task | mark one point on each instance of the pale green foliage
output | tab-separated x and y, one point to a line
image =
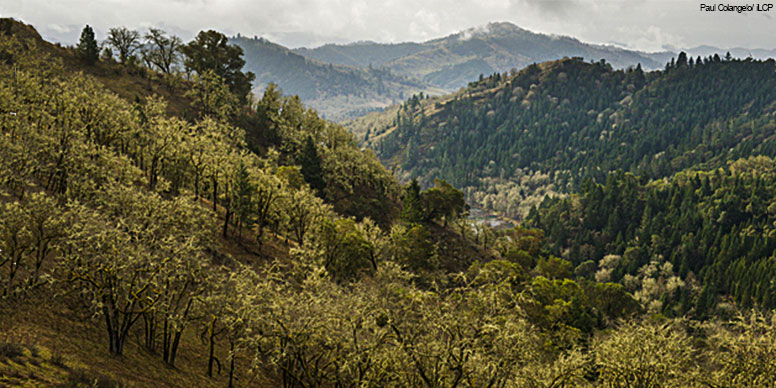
514	196
566	370
29	230
137	254
301	210
103	189
743	353
644	356
212	96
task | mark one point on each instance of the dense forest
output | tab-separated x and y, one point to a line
244	241
552	125
676	243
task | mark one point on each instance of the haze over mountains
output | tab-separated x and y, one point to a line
343	81
337	91
454	61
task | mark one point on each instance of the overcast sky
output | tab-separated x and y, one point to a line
648	25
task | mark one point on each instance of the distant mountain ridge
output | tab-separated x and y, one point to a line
336	91
344	81
453	61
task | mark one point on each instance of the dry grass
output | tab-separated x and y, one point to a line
43	342
128	82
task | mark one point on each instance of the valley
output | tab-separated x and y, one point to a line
495	208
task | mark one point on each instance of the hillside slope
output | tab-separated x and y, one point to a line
139	248
554	124
128	82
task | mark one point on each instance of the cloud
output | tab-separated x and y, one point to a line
554	8
644	24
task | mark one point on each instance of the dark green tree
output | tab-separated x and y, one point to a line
681	60
310	162
442	202
413	208
87	49
210	51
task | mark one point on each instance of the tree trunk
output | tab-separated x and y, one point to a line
165	340
215	192
212	340
174	348
196	186
231	364
150	332
116	342
227	216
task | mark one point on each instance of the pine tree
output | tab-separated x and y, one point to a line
311	166
87	49
413	210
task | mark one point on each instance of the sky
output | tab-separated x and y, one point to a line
647	25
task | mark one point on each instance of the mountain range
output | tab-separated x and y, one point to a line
344	81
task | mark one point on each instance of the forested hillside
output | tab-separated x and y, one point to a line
680	243
248	242
550	126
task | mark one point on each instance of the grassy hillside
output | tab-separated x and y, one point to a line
128	82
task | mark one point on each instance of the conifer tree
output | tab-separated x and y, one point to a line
413	209
87	49
311	166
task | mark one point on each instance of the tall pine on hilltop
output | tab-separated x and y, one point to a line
87	49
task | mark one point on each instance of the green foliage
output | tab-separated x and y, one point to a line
212	97
210	51
354	182
412	210
646	355
346	250
667	235
106	204
87	48
442	202
741	354
412	247
549	127
312	170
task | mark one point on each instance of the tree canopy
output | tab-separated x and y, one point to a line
210	51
